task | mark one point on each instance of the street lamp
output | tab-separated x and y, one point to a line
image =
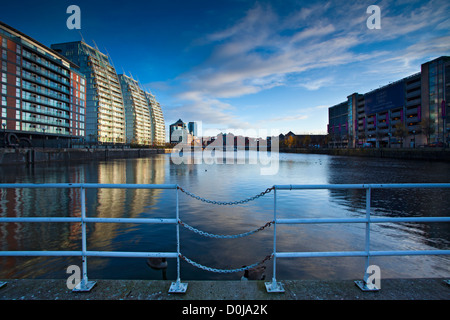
414	133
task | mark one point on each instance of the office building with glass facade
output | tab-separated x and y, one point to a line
410	112
43	99
105	111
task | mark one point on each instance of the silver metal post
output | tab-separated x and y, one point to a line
84	285
363	284
178	287
274	286
367	246
274	234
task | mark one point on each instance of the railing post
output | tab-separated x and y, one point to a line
274	286
364	285
178	287
84	284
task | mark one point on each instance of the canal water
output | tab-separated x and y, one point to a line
229	181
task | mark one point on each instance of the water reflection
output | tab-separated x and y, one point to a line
226	182
66	202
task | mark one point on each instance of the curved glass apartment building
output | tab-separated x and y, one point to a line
137	112
158	124
105	115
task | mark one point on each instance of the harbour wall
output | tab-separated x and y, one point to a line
10	156
431	154
30	156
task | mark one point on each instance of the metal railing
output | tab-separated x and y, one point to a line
275	286
178	286
85	284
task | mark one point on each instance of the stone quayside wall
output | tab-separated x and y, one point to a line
25	156
432	154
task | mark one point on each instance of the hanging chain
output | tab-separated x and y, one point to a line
198	265
229	203
218	236
207	234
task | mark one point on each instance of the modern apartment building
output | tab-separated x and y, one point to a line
158	124
137	112
105	112
43	94
410	112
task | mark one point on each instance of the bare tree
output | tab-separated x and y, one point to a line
427	128
400	131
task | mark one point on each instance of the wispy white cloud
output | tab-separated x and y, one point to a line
264	50
316	84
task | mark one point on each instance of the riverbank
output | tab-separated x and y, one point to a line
430	154
30	156
39	155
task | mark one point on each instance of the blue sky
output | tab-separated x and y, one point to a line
253	66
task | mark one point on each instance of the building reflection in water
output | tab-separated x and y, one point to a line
128	203
225	183
397	203
52	202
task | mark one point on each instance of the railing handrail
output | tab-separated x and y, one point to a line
362	186
177	286
275	286
89	185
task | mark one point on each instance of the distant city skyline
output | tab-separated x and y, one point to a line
262	65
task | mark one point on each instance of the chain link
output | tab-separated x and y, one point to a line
200	266
218	236
229	203
207	234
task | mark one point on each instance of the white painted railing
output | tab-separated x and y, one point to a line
178	286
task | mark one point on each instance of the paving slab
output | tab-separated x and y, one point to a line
391	289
